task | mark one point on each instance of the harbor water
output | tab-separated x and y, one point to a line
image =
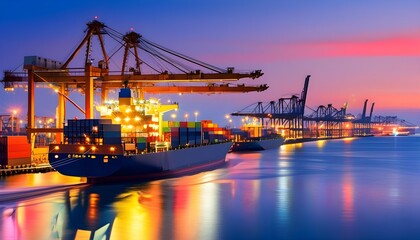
355	188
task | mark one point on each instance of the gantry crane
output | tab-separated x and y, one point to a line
172	73
285	112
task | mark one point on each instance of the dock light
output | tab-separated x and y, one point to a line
137	119
57	148
82	148
87	139
118	119
56	156
127	119
95	129
112	149
196	115
93	148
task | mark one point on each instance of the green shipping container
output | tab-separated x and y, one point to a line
141	140
191	124
166	129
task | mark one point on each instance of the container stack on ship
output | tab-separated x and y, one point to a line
131	141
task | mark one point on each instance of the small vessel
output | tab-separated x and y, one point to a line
129	142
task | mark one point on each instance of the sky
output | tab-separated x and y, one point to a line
353	50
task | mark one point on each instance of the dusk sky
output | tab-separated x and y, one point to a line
354	50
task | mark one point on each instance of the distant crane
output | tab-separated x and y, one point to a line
287	113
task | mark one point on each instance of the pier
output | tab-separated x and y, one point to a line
289	118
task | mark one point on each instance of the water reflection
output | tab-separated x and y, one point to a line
362	189
284	200
348	201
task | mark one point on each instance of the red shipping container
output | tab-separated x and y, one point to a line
183	124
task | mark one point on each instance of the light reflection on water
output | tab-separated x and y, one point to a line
343	189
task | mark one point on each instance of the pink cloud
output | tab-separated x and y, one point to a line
397	46
404	45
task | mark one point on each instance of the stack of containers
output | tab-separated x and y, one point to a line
183	133
112	133
239	134
92	131
14	150
166	131
124	97
198	132
212	133
175	136
191	133
141	143
254	131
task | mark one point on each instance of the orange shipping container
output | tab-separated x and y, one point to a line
12	140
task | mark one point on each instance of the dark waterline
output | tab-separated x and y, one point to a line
343	189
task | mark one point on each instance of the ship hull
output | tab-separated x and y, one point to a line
116	167
257	145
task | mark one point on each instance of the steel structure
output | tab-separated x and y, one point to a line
288	116
171	72
363	125
392	125
327	121
285	114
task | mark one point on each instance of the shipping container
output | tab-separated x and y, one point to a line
112	134
112	140
124	93
165	124
41	62
141	146
174	144
111	127
173	124
183	140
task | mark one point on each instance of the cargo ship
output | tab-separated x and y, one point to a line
131	142
253	137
